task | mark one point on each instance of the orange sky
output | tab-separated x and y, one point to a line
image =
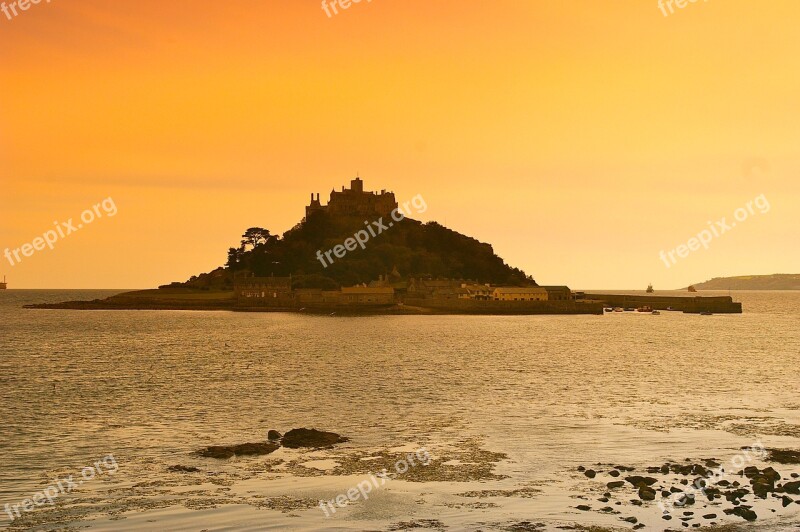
580	138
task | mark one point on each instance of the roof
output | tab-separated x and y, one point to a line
366	290
520	290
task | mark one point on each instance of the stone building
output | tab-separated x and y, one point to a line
528	293
558	293
273	291
364	295
355	201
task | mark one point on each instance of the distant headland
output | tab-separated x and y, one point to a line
778	281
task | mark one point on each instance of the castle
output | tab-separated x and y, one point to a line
354	201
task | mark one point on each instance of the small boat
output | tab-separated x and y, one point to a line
618	309
670	309
656	313
629	309
706	313
4	284
650	289
692	289
644	309
608	310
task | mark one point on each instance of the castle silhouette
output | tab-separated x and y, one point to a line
354	201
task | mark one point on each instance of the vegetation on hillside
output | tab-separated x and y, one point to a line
409	247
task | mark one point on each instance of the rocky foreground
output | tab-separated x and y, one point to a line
696	494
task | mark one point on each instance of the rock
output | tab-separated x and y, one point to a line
743	512
646	493
665	493
244	449
297	438
710	516
733	495
786	501
639	526
273	435
616	484
603	499
771	474
581	468
583	507
795	475
762	486
792	487
636	502
623	468
631	520
637	481
784	456
614	473
183	469
751	471
591	473
666	517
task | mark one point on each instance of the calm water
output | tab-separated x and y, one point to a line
550	392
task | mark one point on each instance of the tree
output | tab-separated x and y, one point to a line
234	256
254	237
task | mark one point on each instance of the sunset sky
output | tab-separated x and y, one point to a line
580	138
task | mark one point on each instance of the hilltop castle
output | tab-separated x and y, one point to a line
354	201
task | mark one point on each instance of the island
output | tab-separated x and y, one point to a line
363	253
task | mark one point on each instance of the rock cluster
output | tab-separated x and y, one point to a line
294	439
740	491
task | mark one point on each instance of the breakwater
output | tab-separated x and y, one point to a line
689	304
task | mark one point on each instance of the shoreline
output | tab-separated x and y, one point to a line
205	300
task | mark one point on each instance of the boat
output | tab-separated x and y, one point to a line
608	310
629	309
670	308
644	309
618	309
692	289
706	313
656	313
4	284
650	288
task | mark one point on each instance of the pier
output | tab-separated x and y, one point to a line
688	304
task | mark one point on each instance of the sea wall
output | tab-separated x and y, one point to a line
471	306
691	304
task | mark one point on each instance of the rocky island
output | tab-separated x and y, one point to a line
361	253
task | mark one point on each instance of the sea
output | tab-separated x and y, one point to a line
102	415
